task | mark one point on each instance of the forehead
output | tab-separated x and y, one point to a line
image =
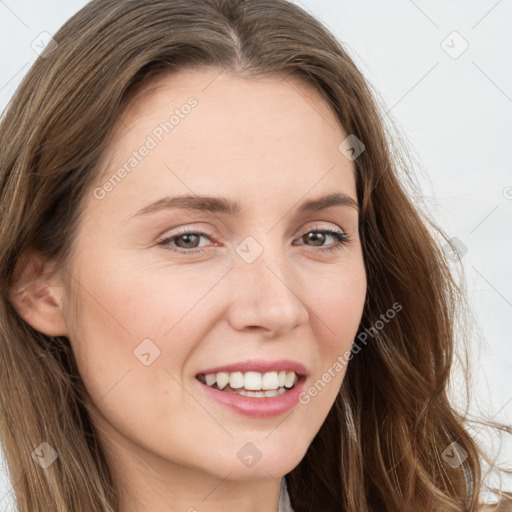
212	84
258	133
262	108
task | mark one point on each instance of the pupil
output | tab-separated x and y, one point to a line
187	238
318	236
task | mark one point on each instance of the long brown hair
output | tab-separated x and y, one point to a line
381	445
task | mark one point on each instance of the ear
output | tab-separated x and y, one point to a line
37	292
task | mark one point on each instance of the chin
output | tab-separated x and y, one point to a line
255	460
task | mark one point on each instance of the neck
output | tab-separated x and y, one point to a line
158	485
197	493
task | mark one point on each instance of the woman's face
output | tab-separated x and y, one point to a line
263	289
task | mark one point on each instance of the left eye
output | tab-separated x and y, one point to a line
341	238
191	238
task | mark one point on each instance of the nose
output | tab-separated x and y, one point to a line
266	295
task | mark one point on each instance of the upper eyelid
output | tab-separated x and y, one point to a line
192	230
320	227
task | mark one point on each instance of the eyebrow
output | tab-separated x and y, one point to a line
231	207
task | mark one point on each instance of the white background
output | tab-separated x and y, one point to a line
456	114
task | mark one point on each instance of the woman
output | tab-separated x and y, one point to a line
169	340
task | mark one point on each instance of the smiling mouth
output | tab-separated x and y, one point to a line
252	384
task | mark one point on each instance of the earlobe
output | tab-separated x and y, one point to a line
37	293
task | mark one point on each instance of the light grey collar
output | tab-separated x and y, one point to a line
284	498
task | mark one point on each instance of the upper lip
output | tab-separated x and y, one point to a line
259	365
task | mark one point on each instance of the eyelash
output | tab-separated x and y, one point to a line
342	240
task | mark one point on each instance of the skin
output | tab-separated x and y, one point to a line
270	144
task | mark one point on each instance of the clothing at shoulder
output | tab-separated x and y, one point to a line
284	498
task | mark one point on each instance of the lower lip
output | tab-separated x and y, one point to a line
255	407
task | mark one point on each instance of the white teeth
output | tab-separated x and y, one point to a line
222	380
269	393
290	379
212	378
270	381
253	381
236	380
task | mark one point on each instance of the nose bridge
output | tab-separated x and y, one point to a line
264	261
266	293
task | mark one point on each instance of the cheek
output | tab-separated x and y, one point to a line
126	363
130	299
338	309
129	316
337	315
